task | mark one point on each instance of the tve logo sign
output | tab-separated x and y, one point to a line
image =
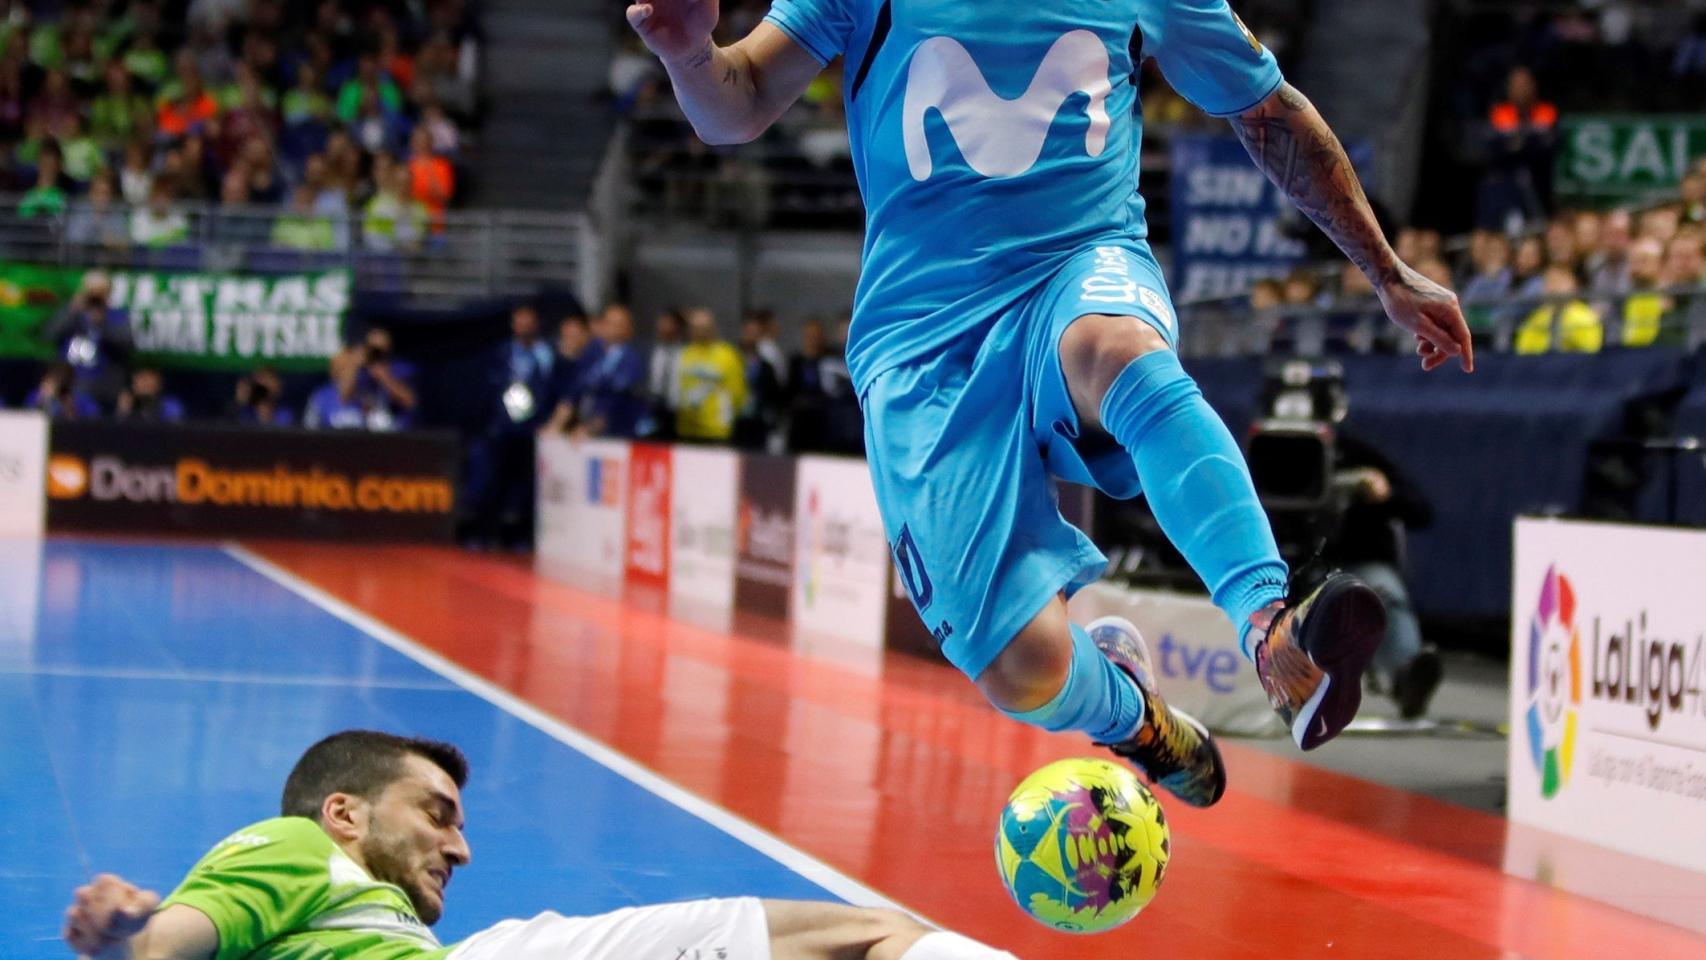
1214	666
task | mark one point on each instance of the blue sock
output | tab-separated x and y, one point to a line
1197	483
1099	698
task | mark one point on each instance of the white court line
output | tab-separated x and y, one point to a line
193	676
730	823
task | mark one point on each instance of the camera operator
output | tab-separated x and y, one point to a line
58	396
94	339
1380	506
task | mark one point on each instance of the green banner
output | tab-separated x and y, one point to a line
209	321
1627	156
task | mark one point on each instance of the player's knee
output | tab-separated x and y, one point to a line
1094	350
1030	672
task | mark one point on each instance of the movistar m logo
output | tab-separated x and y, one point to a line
1001	137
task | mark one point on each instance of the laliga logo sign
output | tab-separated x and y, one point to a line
1554	682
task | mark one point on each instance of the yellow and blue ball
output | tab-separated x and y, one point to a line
1082	845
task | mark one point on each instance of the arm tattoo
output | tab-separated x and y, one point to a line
731	74
1292	144
703	56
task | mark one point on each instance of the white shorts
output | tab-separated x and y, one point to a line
732	929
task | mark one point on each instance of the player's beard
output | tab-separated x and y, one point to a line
389	861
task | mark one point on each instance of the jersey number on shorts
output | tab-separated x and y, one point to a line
910	564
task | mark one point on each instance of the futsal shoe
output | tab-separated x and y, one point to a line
1170	746
1311	655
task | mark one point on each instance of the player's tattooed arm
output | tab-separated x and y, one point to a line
1293	145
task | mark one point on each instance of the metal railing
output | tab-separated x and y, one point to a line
1584	322
459	254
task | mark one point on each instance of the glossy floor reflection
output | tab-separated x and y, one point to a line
153	698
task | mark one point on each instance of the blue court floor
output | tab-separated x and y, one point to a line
153	698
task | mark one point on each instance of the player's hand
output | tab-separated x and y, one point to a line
107	912
1431	313
674	29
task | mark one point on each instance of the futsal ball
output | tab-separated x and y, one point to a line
1082	845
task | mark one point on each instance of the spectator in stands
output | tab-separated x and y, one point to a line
760	414
1661	223
260	166
54	101
845	422
186	106
1685	262
377	127
1436	270
340	405
568	374
614	386
249	118
259	400
301	226
1561	250
442	135
1266	295
306	104
47	197
1608	265
1528	272
59	398
1563	324
386	378
1645	308
145	60
808	396
159	223
394	220
432	179
1521	138
236	222
661	376
136	175
769	348
710	382
98	222
1693	194
369	81
93	339
83	156
1490	255
147	400
1302	288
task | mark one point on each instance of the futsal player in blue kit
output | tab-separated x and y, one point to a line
1011	324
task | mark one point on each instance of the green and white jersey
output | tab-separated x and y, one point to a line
282	890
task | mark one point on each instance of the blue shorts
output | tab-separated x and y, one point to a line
962	447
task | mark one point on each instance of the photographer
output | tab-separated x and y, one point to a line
147	399
93	339
386	379
260	400
59	398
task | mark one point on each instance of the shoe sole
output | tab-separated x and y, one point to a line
1342	644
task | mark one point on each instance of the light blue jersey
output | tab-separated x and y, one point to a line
995	139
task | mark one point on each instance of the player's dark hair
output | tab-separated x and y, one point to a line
361	763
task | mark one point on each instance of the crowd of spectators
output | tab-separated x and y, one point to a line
1582	281
114	113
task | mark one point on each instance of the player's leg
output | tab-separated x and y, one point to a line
1125	379
982	549
827	931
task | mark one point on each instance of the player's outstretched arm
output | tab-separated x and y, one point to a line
110	919
730	94
1293	145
